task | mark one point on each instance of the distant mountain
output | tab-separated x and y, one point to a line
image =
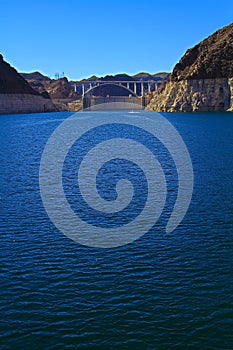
34	76
122	76
147	76
93	77
117	77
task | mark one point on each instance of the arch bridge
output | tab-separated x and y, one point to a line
137	91
136	88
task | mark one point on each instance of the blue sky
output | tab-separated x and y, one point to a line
82	38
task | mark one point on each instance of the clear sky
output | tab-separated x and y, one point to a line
82	38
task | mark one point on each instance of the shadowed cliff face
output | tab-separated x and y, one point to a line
17	96
11	82
201	81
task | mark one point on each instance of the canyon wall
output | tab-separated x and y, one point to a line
17	96
202	80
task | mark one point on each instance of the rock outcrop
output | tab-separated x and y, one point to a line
17	96
230	82
60	91
54	88
202	80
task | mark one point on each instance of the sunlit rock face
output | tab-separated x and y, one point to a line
202	80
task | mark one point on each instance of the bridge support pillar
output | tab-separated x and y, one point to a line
83	89
142	89
75	88
143	102
149	88
135	88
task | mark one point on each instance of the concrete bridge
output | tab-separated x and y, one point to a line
135	99
145	87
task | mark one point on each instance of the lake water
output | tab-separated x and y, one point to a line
162	291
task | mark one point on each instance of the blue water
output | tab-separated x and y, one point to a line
162	291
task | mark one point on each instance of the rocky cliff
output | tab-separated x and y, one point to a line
203	78
54	88
60	91
17	96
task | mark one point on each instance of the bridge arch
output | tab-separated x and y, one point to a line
110	83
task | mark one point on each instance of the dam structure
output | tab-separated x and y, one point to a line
116	94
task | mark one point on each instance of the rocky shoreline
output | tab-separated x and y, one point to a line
203	95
